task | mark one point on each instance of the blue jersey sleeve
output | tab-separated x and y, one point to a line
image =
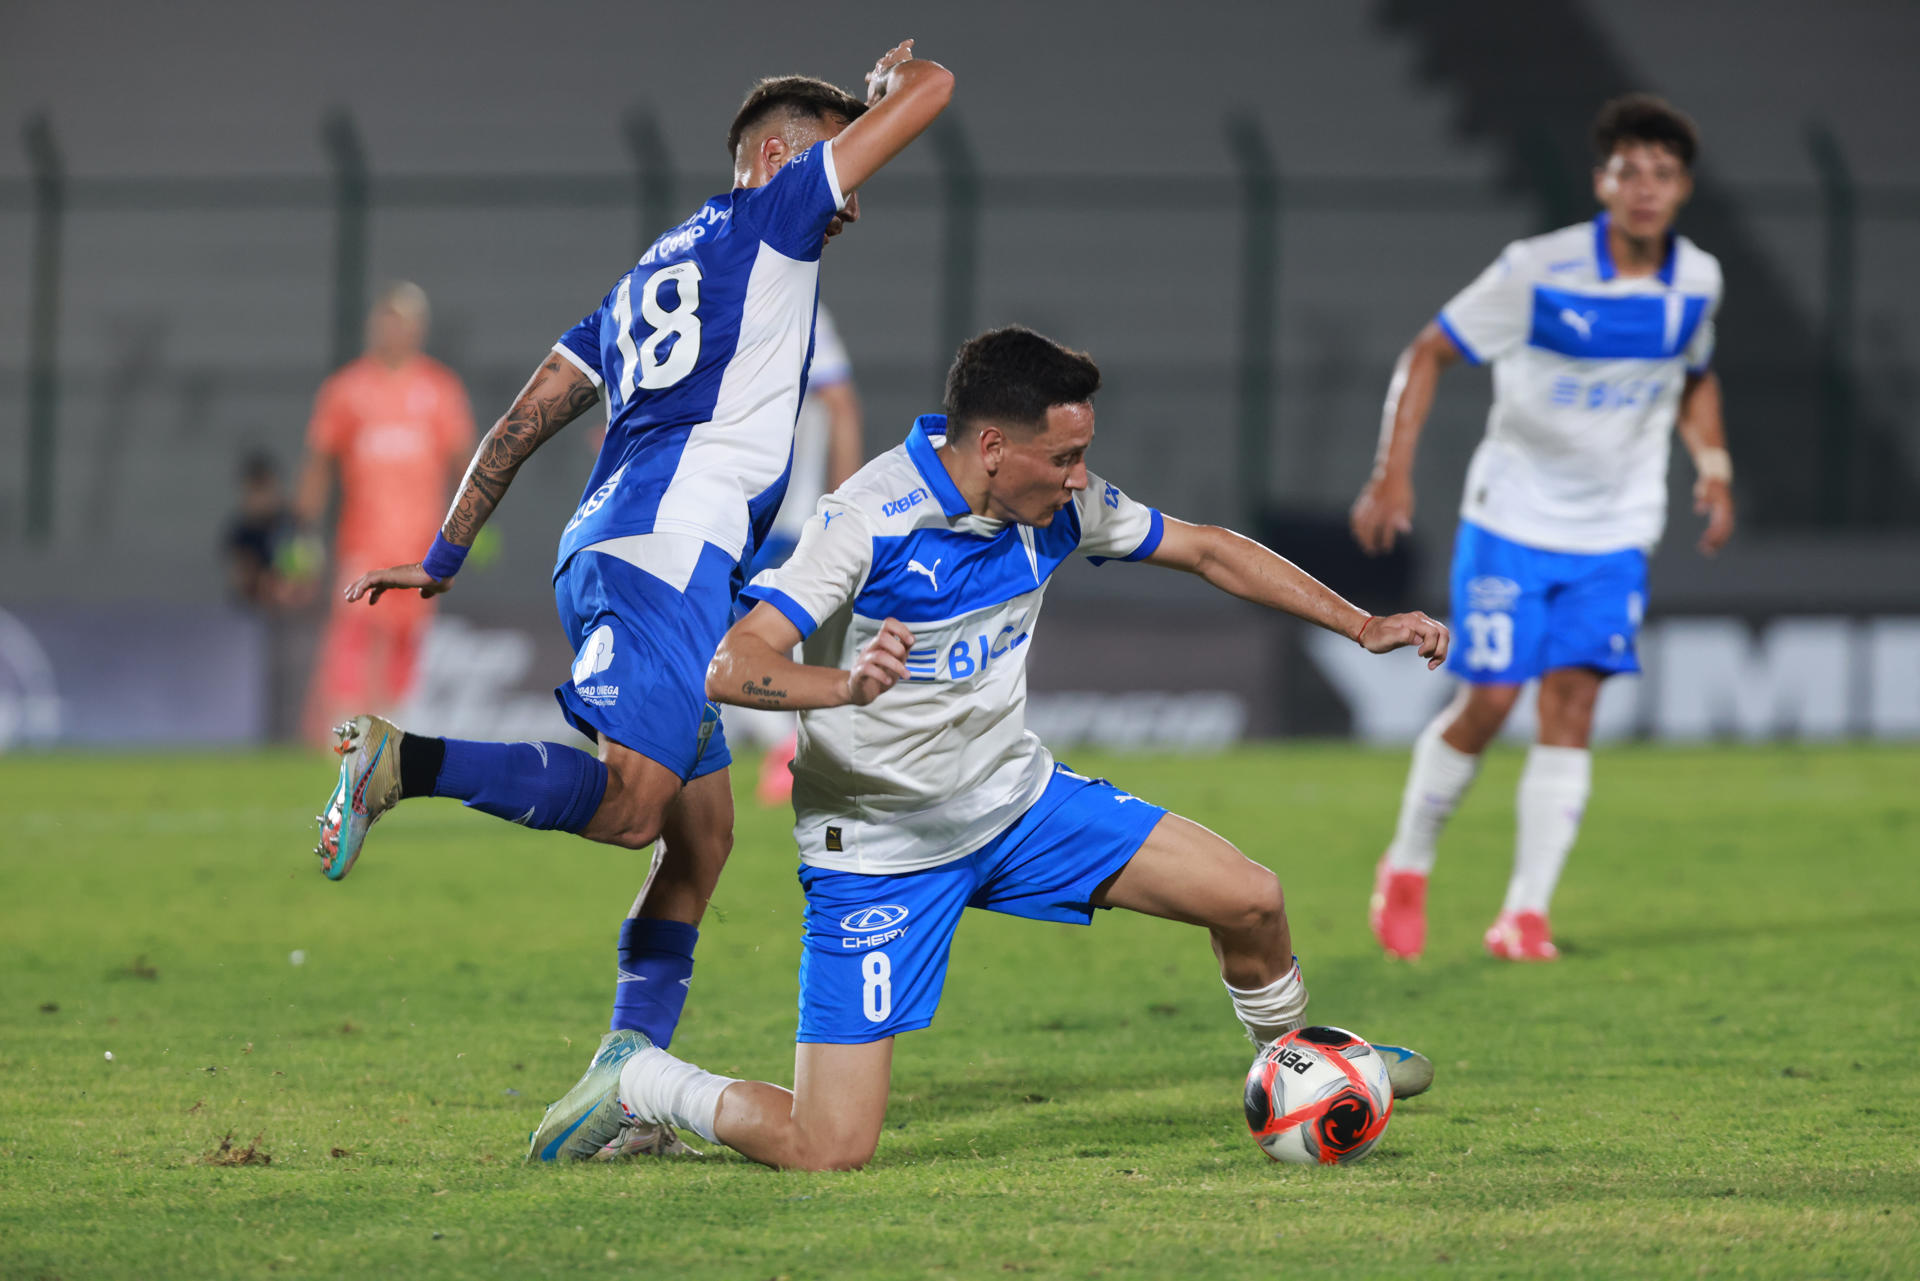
791	212
581	344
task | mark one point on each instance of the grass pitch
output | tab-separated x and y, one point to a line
1718	1078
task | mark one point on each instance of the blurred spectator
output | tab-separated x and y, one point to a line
261	544
396	428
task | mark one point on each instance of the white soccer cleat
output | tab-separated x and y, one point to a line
1409	1071
590	1123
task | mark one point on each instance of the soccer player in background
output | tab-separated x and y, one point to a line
701	350
394	425
1601	340
919	791
826	450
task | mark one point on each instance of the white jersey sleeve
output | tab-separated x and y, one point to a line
827	568
1491	317
1113	526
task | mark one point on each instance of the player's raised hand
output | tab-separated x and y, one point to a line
877	78
1382	513
1387	632
881	665
1713	498
376	582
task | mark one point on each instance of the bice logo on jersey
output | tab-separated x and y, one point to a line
595	657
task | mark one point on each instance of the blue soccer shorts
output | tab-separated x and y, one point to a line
1519	611
875	955
641	649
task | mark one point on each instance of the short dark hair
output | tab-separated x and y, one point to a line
1641	117
1013	376
794	97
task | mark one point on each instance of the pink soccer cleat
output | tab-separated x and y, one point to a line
1398	911
1521	936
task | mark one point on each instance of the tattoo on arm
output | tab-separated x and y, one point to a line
557	394
765	696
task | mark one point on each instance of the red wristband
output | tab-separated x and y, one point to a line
1360	637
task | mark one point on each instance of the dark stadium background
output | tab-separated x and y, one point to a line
1242	209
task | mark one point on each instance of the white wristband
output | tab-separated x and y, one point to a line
1714	464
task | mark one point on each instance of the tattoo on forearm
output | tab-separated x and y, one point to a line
555	396
764	695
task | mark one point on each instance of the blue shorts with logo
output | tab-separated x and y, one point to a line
875	955
641	648
1519	611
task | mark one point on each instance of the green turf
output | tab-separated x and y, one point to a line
1717	1079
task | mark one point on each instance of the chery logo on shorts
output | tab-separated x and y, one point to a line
883	917
884	922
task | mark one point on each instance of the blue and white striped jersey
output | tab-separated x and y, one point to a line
702	352
943	762
1588	367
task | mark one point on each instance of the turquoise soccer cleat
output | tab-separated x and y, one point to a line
589	1123
1409	1071
368	787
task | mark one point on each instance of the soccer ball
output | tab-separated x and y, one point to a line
1318	1096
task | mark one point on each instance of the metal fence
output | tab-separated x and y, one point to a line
1259	246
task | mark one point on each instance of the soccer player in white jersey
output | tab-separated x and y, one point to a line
919	791
701	352
1601	341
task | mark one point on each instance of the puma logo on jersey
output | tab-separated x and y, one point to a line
1580	322
915	567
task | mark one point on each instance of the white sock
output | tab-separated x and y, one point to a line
658	1087
1552	797
1439	777
1273	1010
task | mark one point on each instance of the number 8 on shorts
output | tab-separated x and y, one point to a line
877	990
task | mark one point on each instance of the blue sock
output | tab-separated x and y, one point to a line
656	964
543	785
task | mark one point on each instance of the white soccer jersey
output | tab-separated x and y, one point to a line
1588	368
813	433
943	762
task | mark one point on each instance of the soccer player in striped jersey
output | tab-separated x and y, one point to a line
701	351
1601	340
915	593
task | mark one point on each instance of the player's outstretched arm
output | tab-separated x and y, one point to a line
905	94
557	394
1704	430
754	668
1241	567
1384	510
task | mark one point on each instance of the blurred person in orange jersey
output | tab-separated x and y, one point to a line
396	428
